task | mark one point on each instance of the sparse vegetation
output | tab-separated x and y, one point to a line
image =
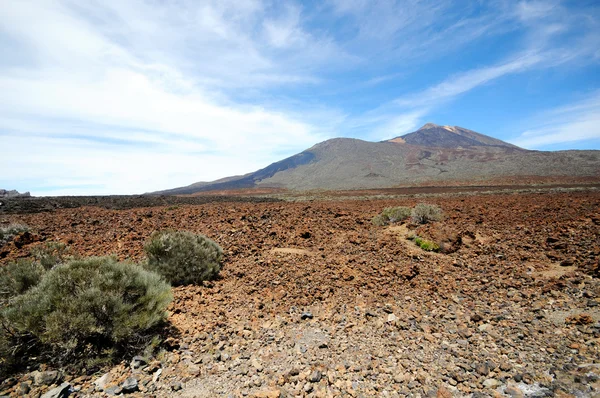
391	215
9	232
183	257
51	254
425	244
424	213
396	214
380	220
87	307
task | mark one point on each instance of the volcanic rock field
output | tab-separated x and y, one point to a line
315	301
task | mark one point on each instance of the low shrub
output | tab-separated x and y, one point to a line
380	220
398	213
9	232
17	278
426	245
51	254
86	307
424	213
391	215
183	257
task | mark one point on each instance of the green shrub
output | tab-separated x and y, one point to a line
380	220
396	214
51	254
424	213
17	278
427	245
183	257
391	215
9	232
89	305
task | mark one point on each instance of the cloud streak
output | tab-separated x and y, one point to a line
577	122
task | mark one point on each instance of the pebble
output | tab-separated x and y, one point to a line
315	376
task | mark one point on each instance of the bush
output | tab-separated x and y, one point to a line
424	213
380	220
183	257
17	278
395	214
87	306
9	232
391	215
51	254
427	245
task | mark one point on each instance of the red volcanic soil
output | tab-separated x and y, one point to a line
510	308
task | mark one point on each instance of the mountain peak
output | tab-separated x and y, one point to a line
429	126
434	135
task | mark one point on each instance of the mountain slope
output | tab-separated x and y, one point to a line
432	154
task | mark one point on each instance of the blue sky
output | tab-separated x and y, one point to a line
118	97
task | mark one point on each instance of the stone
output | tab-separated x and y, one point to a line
46	378
114	390
129	385
443	392
306	315
176	386
156	375
491	383
257	365
392	318
482	368
514	391
315	376
24	388
102	381
294	372
138	362
62	391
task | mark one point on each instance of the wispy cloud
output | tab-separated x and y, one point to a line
576	122
87	89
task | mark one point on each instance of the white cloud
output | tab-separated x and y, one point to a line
104	112
569	124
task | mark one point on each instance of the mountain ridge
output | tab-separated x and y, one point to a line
431	154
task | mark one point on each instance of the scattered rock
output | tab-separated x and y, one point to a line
62	391
46	378
102	381
176	386
491	383
138	362
306	315
315	376
129	385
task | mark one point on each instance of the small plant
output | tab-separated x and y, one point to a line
424	213
86	307
380	220
51	254
426	245
9	232
391	215
183	257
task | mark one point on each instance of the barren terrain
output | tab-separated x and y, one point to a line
316	301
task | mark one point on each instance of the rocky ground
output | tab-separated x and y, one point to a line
316	301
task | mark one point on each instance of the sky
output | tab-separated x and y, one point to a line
126	97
